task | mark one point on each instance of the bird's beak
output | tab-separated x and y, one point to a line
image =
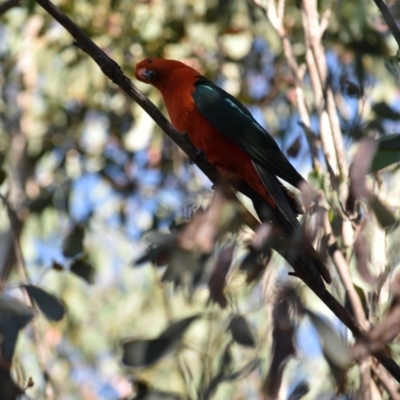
145	74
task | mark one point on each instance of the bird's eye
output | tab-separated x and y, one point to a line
149	61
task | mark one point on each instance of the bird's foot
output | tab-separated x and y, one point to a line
199	153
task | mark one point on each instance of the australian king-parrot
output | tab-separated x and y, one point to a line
239	147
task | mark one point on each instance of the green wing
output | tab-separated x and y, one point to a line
234	120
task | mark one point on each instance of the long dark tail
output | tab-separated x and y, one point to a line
305	261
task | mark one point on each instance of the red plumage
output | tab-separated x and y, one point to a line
176	86
236	144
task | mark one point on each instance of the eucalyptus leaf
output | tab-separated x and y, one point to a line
388	152
50	306
383	214
73	243
334	347
393	66
83	269
241	332
298	391
144	392
143	353
14	316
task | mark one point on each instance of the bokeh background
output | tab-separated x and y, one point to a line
88	174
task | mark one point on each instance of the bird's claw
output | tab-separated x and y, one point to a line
199	153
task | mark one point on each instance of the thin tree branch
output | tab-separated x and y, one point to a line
112	70
276	20
7	5
324	22
21	268
386	381
389	20
343	270
331	132
365	378
312	32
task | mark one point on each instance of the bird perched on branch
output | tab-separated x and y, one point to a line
231	139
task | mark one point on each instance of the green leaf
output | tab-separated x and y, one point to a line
22	314
384	216
178	328
337	223
184	268
388	152
143	392
142	353
393	66
84	270
160	246
51	307
385	111
299	391
14	316
73	243
241	332
335	348
3	175
217	280
391	141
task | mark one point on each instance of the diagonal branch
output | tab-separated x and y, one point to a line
8	4
312	31
276	18
389	20
112	70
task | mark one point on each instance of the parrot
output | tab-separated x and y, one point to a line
222	128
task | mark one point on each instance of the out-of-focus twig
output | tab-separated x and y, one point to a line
330	130
324	125
312	30
8	4
365	375
19	161
283	344
326	107
324	22
14	222
386	381
21	268
343	270
113	71
276	18
389	20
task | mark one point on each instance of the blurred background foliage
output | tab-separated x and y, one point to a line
87	173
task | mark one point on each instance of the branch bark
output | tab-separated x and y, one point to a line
276	17
112	70
4	7
389	20
312	30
